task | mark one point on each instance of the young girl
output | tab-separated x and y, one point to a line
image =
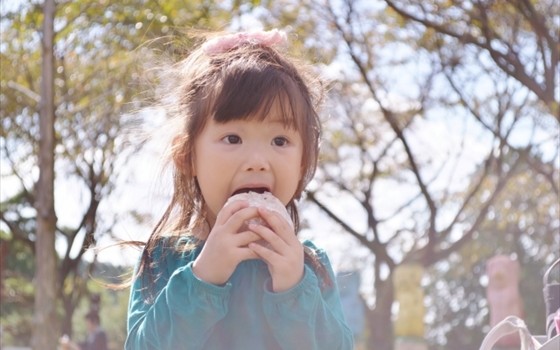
205	279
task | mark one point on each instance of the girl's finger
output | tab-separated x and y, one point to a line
278	224
240	217
274	240
242	239
247	253
268	255
233	217
227	211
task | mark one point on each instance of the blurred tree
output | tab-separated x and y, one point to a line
44	334
425	136
517	42
427	130
16	290
99	48
523	223
519	38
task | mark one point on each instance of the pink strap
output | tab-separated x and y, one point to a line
509	325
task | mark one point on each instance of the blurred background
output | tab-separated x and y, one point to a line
440	151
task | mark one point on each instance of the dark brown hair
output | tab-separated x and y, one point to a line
241	83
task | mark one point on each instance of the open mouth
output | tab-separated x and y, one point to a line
251	189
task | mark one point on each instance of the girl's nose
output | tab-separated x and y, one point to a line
257	161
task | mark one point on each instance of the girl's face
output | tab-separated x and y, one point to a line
247	154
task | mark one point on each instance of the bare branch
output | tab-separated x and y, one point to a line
509	61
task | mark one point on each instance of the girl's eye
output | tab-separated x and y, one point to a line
232	139
280	141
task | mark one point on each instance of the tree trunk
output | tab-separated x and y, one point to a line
45	332
379	319
69	308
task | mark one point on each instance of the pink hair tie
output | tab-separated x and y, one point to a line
227	42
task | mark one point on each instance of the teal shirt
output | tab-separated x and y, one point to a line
188	313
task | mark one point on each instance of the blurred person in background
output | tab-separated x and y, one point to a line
96	338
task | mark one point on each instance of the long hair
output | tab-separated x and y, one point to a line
240	83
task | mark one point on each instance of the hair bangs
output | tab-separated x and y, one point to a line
254	93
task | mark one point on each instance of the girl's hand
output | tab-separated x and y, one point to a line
225	246
284	252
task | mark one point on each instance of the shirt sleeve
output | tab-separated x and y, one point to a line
185	308
309	316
